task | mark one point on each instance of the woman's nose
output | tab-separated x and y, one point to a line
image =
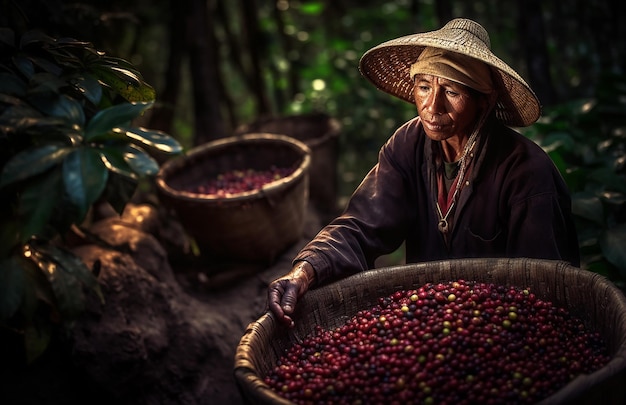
435	102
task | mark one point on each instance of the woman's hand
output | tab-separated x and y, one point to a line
284	292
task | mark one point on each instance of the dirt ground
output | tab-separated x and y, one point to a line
239	294
167	334
170	327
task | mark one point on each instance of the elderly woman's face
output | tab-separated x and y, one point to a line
448	109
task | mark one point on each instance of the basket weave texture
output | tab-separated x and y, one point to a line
253	226
587	295
320	133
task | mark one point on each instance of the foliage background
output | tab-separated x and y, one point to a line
217	64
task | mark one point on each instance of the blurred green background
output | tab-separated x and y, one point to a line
218	64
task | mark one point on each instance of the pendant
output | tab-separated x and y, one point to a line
443	226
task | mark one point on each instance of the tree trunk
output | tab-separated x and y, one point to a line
208	123
164	111
255	47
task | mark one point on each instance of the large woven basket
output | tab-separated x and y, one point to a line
588	295
253	226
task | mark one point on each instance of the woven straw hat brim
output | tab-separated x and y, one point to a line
388	66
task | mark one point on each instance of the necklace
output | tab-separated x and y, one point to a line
443	223
443	219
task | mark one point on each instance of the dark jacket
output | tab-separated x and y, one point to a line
515	204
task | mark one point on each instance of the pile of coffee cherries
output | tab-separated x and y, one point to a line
239	181
456	343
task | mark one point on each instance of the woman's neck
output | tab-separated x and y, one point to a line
453	148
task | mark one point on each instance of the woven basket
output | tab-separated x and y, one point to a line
320	133
253	226
588	295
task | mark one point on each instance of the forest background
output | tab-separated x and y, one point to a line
218	64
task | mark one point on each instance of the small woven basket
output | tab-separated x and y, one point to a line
253	226
585	294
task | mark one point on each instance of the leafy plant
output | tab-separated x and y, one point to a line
66	141
587	141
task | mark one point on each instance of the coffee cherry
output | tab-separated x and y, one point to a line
234	182
464	342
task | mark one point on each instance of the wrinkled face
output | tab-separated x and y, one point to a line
448	109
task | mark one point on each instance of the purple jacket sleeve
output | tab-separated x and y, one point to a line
375	219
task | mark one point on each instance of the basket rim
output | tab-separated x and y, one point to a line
245	372
333	130
268	189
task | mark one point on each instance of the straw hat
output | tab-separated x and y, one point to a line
388	65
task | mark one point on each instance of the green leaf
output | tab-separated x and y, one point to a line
67	290
35	212
32	162
7	37
74	266
558	161
61	134
125	82
40	130
113	158
89	87
14	102
140	161
36	340
600	266
576	178
24	65
11	84
11	287
118	115
36	287
60	106
46	65
154	139
614	199
46	83
66	213
558	139
9	236
589	206
70	266
65	41
609	179
35	36
120	189
37	292
67	57
84	178
612	243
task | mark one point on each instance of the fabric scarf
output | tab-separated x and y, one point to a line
454	66
444	197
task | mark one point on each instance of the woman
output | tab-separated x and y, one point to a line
454	182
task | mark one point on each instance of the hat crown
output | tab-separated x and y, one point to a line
388	67
473	28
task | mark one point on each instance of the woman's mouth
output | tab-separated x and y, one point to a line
434	125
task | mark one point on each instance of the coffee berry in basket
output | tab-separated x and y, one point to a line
238	181
459	342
